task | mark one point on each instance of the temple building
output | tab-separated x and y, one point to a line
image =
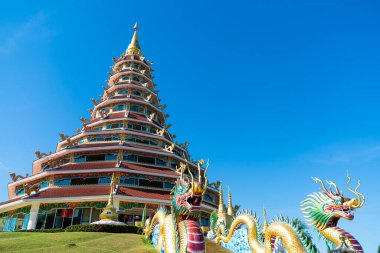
126	135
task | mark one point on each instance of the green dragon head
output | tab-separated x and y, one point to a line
324	209
187	195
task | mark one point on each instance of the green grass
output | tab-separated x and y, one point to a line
80	242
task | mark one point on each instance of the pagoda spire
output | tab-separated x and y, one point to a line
134	46
230	211
221	209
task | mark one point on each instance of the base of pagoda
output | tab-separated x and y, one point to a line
109	222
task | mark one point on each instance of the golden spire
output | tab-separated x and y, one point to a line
230	211
221	209
109	212
112	184
265	221
134	47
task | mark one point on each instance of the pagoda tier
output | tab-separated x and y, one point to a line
127	135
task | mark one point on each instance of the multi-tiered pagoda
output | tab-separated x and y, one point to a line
126	135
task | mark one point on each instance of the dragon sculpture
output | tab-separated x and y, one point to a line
322	210
179	231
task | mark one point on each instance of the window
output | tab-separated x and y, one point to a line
136	78
208	198
137	108
119	107
142	140
78	158
154	142
20	191
111	156
44	184
95	138
112	138
95	214
136	127
86	215
115	125
161	162
137	93
20	218
77	216
62	181
129	157
122	92
2	223
126	78
147	183
49	220
95	157
146	159
174	164
84	181
104	180
168	185
129	180
105	109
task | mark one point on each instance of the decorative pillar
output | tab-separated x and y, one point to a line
116	204
33	215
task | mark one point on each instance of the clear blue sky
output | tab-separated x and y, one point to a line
273	92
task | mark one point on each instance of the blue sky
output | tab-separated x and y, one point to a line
273	92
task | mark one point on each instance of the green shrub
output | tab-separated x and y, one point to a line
104	228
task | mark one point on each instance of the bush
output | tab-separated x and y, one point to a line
51	230
104	228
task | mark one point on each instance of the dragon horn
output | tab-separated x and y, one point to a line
325	191
206	180
337	192
360	197
191	174
199	172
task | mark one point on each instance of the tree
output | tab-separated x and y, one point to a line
300	224
378	249
235	209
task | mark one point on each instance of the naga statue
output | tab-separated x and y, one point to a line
180	231
17	177
322	210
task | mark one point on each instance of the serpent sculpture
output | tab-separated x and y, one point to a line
322	210
179	231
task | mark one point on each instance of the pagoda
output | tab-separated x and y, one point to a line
126	135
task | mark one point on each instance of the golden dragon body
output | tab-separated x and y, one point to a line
322	210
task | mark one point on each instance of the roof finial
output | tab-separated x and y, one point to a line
230	209
134	47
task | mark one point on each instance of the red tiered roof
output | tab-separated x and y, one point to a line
133	115
107	165
64	192
143	193
116	115
88	191
87	166
148	169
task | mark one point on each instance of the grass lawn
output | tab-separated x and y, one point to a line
80	242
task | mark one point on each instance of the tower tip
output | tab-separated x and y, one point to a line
134	47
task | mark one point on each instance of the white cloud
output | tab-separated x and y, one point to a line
22	32
344	155
3	167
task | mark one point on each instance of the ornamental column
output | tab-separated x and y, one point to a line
33	215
